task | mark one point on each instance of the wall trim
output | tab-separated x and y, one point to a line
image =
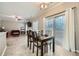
4	51
77	51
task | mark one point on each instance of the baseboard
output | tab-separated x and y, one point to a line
69	50
4	51
77	51
73	51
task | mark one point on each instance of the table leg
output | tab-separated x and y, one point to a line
37	49
28	42
53	45
41	48
33	47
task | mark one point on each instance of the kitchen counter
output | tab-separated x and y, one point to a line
2	42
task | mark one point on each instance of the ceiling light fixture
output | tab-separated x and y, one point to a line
43	5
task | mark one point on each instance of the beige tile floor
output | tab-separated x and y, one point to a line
17	46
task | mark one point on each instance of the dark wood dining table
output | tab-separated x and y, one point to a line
45	39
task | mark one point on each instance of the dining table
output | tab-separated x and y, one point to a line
45	39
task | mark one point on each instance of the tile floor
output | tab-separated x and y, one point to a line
17	46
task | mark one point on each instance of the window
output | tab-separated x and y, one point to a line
35	26
59	29
48	26
59	23
55	25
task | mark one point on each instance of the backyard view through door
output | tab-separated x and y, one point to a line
55	26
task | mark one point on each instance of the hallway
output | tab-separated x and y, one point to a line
17	46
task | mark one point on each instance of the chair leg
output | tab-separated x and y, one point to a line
50	46
28	42
37	51
33	47
30	45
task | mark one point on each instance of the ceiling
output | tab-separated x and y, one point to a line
22	9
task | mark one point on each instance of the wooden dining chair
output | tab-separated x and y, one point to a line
30	38
27	38
33	41
36	42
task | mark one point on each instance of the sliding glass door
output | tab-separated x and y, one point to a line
63	28
49	26
56	26
59	29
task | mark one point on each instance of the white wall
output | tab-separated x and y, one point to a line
24	9
0	22
2	42
11	24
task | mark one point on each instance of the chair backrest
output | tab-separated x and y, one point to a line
35	36
29	33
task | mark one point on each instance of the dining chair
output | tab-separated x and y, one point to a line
30	38
36	42
33	41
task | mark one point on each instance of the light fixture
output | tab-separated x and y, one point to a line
43	5
18	18
3	27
